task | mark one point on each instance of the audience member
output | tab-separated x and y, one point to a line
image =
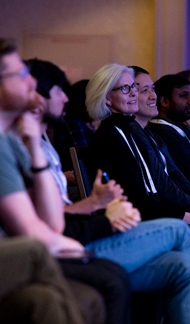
158	149
41	214
77	128
18	95
173	101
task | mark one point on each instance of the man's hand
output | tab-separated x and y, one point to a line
122	215
102	194
29	130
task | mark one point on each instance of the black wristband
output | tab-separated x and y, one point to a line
36	170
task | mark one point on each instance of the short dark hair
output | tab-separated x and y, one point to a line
138	70
76	105
47	75
7	46
165	85
185	73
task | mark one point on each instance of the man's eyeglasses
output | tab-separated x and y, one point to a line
127	88
23	73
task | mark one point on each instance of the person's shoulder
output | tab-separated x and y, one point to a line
105	134
17	147
106	126
5	145
172	138
161	128
49	150
13	140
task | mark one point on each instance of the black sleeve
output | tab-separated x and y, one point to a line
85	228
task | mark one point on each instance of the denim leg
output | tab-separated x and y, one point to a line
148	240
171	272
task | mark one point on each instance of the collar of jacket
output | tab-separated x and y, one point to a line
119	120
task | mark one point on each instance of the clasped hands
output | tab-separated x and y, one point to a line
122	215
120	212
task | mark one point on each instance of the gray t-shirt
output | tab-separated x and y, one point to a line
15	172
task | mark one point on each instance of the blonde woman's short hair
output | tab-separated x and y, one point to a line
100	86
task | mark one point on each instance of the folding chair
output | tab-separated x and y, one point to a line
78	155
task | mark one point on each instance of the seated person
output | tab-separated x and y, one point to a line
77	128
147	110
173	101
101	194
39	212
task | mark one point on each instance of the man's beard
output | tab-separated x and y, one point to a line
52	120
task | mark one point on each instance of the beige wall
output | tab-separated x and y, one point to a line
172	36
132	23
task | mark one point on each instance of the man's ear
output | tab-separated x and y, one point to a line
164	101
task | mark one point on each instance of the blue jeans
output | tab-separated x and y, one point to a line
156	254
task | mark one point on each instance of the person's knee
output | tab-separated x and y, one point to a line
178	269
